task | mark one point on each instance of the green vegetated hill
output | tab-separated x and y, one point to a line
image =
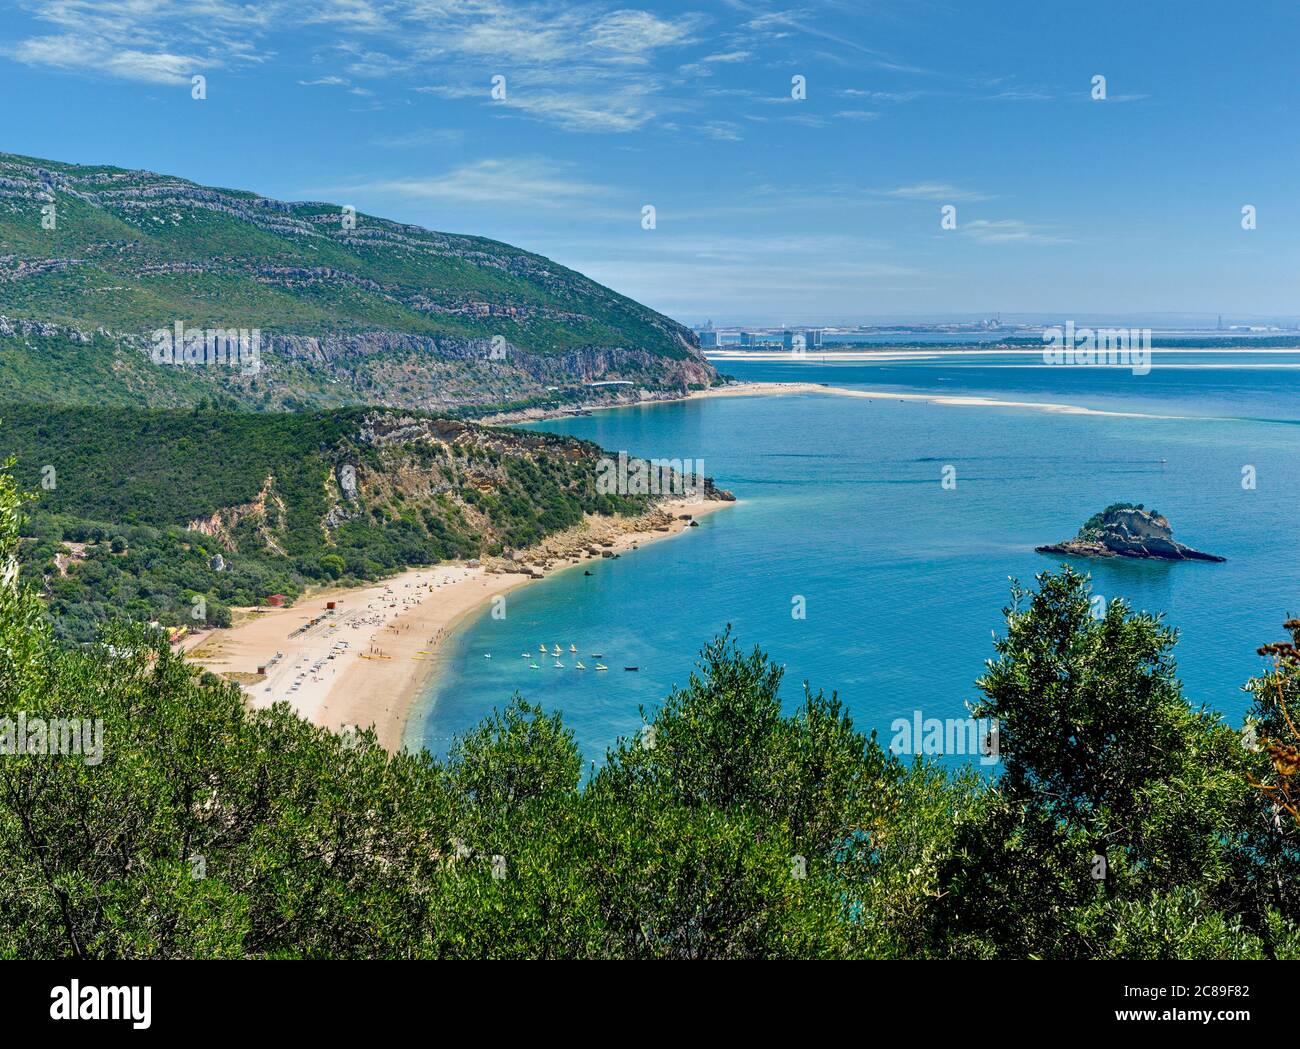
133	508
371	312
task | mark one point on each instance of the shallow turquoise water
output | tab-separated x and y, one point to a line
842	505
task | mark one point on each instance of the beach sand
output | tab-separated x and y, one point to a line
365	662
776	389
779	389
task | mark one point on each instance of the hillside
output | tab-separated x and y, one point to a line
138	513
366	311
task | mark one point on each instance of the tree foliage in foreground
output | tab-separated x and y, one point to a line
726	829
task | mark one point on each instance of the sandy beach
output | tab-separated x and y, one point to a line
365	661
776	389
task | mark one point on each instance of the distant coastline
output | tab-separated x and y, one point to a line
770	389
813	358
785	389
918	351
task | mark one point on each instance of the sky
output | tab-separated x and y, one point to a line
768	208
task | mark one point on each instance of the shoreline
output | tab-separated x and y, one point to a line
777	389
367	662
785	389
740	388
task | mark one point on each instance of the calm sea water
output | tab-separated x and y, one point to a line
841	504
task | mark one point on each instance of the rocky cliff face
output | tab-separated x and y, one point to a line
1125	530
442	371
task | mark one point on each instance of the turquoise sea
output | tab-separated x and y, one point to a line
841	504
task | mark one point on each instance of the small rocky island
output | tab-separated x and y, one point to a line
1127	530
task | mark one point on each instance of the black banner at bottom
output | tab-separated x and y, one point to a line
143	999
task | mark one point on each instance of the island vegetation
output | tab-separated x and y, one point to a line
1127	530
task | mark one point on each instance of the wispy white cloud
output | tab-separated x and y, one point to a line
534	182
350	14
76	52
1021	94
1004	231
589	65
942	191
422	137
153	41
765	26
724	130
635	32
622	106
879	97
578	66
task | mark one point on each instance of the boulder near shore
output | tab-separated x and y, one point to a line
1127	530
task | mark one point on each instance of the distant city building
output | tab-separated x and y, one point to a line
812	337
787	339
709	339
748	338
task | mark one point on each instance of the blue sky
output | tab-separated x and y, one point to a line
769	209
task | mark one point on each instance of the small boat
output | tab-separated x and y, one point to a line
524	654
580	665
598	655
557	651
487	655
601	666
559	665
631	668
573	648
541	648
533	666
